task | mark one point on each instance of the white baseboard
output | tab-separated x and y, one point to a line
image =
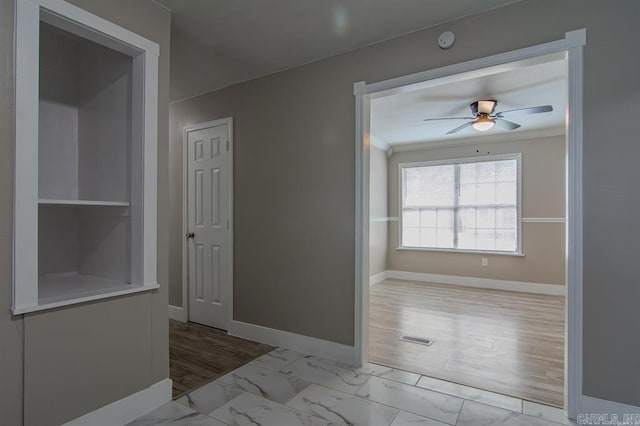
591	405
296	342
520	286
178	313
128	408
377	278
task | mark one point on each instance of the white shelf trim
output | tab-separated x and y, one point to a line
35	308
50	201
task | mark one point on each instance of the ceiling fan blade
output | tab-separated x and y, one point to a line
506	124
457	129
449	118
521	111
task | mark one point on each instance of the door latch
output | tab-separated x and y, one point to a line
189	235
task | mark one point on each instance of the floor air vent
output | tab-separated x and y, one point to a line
418	340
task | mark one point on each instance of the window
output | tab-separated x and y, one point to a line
465	204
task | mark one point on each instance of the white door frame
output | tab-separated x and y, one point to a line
572	45
185	218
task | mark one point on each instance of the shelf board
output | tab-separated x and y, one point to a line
47	201
63	289
71	285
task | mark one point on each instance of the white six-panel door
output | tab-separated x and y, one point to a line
208	225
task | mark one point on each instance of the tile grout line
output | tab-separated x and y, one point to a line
400	409
521	400
368	400
355	395
460	412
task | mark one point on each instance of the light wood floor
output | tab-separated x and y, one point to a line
505	342
199	354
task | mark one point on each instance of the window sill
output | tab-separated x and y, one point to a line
492	253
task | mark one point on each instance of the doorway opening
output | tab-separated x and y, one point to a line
200	349
472	240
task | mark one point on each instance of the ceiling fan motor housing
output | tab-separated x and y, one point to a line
484	107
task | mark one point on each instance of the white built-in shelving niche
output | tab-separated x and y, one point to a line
85	177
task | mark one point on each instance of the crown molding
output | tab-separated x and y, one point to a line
486	138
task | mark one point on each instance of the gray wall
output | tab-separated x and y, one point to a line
378	208
294	175
543	195
83	357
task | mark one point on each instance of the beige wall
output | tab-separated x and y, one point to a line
378	208
83	357
543	194
294	176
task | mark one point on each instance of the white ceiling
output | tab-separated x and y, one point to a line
399	119
216	43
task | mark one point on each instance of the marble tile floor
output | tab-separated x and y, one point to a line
284	387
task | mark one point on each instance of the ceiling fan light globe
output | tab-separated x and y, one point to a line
483	123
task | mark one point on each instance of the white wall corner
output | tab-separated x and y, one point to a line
308	345
377	278
128	408
596	406
177	313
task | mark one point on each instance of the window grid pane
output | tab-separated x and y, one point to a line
480	214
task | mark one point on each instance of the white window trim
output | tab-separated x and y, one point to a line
463	160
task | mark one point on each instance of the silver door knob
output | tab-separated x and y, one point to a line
189	235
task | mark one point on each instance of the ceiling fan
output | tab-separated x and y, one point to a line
483	117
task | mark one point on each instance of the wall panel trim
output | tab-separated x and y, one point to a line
308	345
543	220
377	278
128	408
487	283
177	313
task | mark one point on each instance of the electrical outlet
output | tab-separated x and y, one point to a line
485	261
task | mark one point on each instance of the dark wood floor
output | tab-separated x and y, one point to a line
199	354
506	342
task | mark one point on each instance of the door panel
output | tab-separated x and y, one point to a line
208	190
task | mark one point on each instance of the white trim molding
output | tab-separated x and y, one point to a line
570	48
519	286
178	313
384	219
543	220
309	345
473	140
377	278
591	405
362	214
128	408
576	40
65	15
